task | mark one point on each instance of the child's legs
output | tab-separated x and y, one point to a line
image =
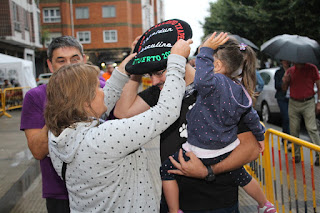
169	184
250	185
253	189
171	193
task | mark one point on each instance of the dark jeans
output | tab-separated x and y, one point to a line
232	209
57	205
284	105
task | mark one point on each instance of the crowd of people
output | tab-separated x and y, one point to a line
93	165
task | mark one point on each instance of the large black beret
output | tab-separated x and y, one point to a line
153	48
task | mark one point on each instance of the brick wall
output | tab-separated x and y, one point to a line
127	22
5	20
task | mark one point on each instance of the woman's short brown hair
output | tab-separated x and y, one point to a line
68	90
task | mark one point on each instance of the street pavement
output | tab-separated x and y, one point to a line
20	185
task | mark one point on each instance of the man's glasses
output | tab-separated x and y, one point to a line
158	73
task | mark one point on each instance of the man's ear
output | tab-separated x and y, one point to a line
84	58
50	65
86	104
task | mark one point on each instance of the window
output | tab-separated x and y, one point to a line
26	20
50	38
108	11
82	12
39	26
266	77
51	15
16	22
29	57
110	36
84	37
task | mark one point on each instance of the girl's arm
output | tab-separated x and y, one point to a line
204	81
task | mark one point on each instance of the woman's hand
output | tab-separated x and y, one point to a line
182	47
122	66
134	43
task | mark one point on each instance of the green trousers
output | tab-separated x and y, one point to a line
305	110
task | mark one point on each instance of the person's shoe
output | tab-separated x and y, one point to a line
297	159
316	163
268	208
289	147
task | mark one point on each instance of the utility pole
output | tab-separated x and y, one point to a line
71	18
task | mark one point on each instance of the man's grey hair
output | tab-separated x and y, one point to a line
63	41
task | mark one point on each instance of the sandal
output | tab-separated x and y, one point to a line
268	208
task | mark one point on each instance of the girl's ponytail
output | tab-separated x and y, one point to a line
249	71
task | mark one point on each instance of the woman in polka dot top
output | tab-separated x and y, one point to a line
225	81
103	165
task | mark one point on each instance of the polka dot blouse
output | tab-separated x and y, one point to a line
107	170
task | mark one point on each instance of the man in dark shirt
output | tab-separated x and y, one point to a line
220	195
282	96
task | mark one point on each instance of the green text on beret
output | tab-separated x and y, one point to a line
145	59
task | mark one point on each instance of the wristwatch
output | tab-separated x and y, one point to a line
210	177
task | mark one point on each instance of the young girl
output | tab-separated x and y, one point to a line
102	163
225	81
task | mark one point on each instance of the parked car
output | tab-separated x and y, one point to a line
266	104
43	78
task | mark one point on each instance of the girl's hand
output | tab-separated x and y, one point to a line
214	42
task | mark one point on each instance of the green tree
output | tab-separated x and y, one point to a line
306	17
260	20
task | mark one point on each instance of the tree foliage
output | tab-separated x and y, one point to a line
260	20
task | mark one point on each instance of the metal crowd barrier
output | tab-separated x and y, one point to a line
11	98
288	185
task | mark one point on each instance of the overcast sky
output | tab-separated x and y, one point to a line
191	11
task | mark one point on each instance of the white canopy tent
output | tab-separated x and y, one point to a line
19	69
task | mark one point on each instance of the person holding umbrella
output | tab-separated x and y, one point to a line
301	79
282	97
304	53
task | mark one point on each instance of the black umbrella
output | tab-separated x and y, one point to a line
245	41
294	48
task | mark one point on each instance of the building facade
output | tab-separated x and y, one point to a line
106	28
20	28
